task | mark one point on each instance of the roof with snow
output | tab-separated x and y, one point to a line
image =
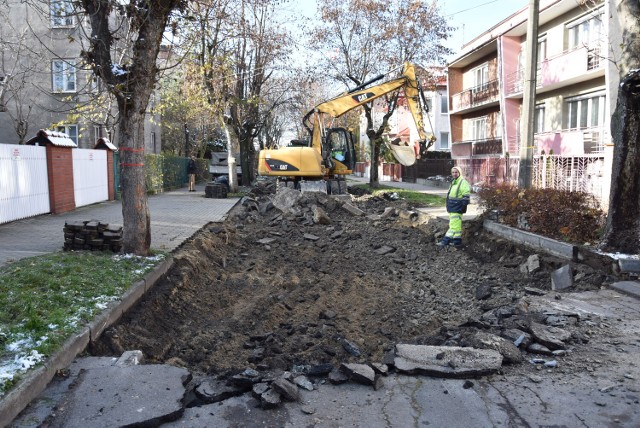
58	139
104	143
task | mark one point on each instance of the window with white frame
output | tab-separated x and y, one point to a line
62	13
586	31
586	111
63	73
70	130
538	119
481	78
444	141
542	48
444	103
98	132
479	128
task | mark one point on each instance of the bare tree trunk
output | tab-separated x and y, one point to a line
135	210
245	160
232	148
374	179
622	231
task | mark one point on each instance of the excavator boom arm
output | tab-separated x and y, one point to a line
346	102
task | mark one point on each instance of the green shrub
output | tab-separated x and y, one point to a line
558	214
153	173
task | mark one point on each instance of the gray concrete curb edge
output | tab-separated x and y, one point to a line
551	246
35	381
563	250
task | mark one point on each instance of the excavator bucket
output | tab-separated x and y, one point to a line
313	186
405	155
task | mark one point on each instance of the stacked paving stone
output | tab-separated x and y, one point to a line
215	190
92	235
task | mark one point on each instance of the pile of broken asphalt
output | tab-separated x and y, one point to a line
483	354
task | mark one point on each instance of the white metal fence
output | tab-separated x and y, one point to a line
90	180
572	173
24	186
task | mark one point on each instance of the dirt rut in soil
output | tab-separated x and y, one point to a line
308	291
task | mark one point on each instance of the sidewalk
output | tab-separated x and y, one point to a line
175	217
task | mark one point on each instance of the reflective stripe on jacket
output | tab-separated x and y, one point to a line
460	188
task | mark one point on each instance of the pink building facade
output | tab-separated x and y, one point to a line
576	89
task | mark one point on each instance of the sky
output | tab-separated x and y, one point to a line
473	17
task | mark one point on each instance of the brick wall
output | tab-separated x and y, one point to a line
60	173
110	176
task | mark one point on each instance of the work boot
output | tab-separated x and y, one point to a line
457	242
445	242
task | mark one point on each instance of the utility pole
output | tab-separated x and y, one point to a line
529	97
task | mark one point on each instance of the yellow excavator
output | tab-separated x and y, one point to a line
322	163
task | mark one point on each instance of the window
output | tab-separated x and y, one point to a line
99	132
585	112
538	126
479	128
444	104
480	78
153	143
64	75
542	48
62	13
585	31
70	130
444	141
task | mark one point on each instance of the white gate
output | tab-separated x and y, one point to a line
24	186
90	181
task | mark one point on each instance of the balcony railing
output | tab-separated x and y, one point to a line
564	67
476	96
489	146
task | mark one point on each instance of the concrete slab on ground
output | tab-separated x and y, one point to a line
598	395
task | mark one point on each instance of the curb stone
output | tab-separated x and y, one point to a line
35	381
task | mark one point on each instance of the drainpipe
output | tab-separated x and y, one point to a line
529	97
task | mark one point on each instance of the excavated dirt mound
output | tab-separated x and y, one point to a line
318	283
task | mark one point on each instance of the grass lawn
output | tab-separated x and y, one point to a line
44	300
421	199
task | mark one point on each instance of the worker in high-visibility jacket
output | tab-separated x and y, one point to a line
458	198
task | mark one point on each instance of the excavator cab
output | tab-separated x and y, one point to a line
340	147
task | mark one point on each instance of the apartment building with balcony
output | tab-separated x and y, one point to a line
576	88
402	125
44	83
